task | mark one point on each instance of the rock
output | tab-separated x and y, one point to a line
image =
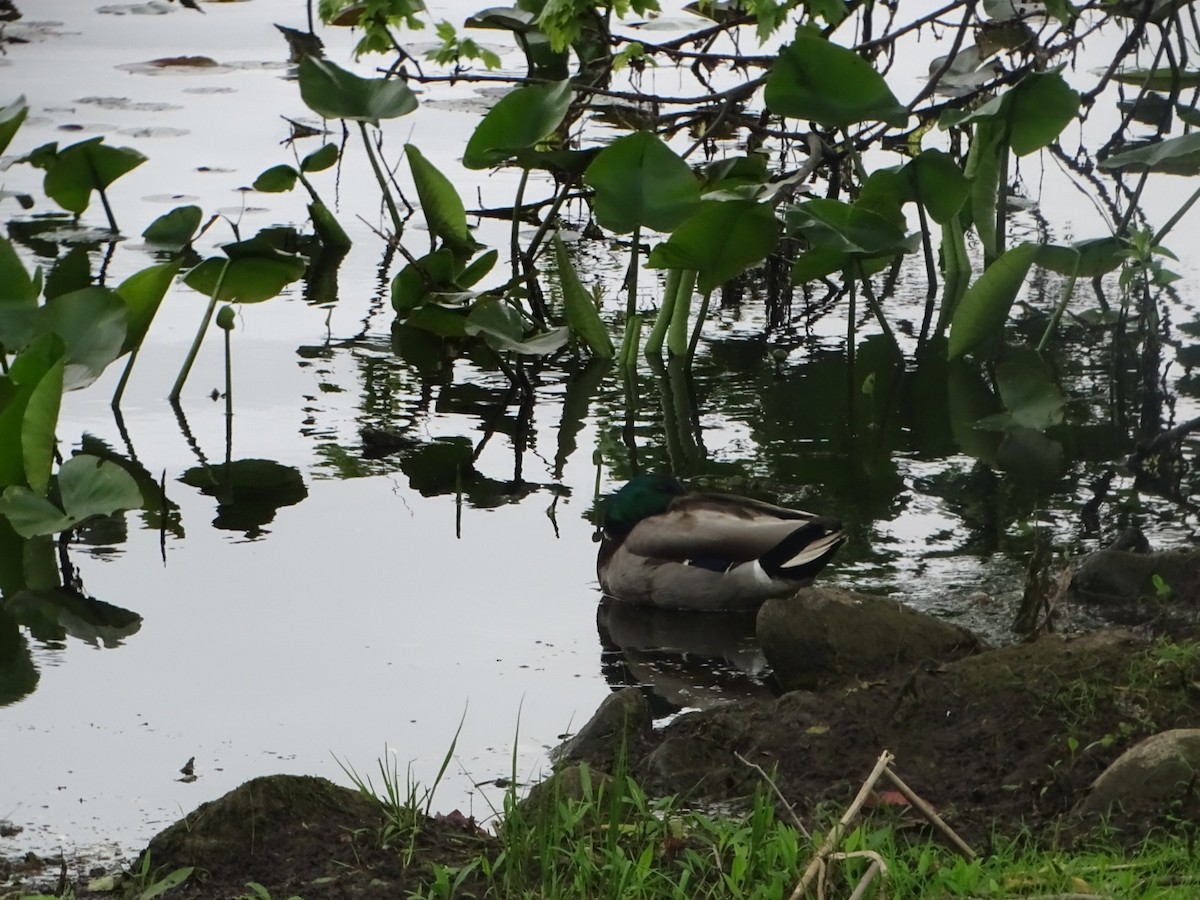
249	821
1154	772
682	765
579	782
1122	587
621	720
821	636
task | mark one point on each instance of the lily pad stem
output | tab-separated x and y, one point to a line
629	345
120	391
379	176
522	263
112	222
228	378
654	342
186	368
930	277
1068	290
873	302
699	326
631	277
514	241
551	215
682	310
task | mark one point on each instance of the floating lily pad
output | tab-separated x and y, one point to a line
248	491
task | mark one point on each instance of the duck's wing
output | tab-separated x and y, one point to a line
720	527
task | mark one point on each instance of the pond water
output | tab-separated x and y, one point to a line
370	614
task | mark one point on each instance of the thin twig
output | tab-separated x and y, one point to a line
877	867
782	799
928	812
835	833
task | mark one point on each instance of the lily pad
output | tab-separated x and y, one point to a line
88	487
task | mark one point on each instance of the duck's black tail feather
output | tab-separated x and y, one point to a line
804	552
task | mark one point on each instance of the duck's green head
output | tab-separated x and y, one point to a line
645	495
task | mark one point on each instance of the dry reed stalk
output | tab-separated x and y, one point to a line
835	833
928	812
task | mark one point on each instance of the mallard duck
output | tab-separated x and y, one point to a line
667	548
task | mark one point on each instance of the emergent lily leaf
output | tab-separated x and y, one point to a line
1174	156
72	174
503	328
88	486
720	242
92	324
174	229
518	121
821	81
334	93
639	180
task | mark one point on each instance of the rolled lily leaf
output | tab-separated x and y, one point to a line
443	208
18	298
983	310
142	292
581	312
30	396
11	117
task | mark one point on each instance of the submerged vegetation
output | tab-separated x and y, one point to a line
794	171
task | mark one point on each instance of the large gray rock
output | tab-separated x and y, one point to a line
1159	589
822	636
1154	772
